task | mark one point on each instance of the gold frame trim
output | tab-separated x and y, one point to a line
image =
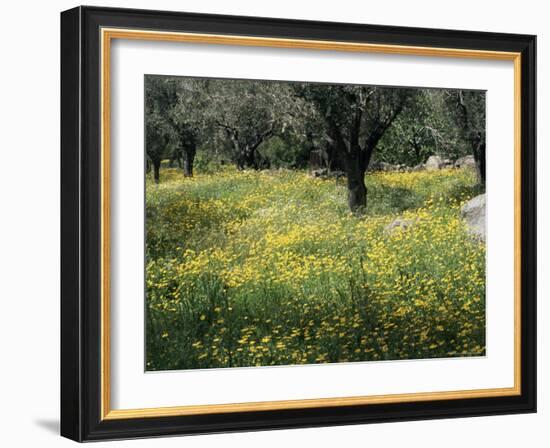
107	35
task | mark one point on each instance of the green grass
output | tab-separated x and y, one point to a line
270	268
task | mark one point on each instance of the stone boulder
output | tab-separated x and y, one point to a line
398	224
388	167
466	162
321	172
374	166
325	173
337	174
434	163
473	212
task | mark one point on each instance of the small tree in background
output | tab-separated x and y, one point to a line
249	113
159	133
469	112
413	136
188	117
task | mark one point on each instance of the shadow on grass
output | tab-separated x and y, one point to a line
382	199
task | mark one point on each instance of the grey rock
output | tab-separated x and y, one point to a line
473	212
466	162
374	166
434	163
388	166
384	166
398	224
322	172
337	174
325	173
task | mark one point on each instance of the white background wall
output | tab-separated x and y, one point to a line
29	223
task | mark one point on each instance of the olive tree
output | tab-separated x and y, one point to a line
159	133
356	118
188	119
249	113
469	112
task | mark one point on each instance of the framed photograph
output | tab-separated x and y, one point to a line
273	223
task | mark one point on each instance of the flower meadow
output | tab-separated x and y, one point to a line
260	268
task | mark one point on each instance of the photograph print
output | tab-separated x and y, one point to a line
292	223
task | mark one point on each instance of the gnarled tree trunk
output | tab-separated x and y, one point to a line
189	158
357	190
357	160
156	170
478	146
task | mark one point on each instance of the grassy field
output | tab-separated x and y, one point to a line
269	268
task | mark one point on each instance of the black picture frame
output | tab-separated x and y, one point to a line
81	224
